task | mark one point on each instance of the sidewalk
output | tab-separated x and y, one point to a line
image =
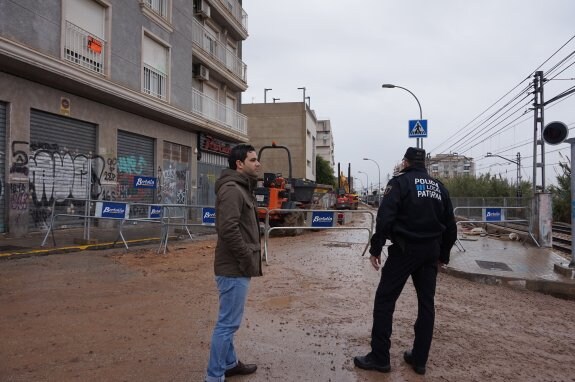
486	259
73	239
512	263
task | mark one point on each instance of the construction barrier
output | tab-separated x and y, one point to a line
318	220
185	216
495	215
166	215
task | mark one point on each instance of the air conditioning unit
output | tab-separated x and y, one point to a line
202	8
201	73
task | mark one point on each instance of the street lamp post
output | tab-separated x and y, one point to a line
303	89
518	163
266	94
418	141
366	179
378	177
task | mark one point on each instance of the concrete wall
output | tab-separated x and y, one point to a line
286	124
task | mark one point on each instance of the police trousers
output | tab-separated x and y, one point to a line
418	260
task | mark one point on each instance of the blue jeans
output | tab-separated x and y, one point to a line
233	295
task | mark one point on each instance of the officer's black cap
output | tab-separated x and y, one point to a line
414	154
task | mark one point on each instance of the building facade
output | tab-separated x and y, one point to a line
450	165
324	143
290	124
95	93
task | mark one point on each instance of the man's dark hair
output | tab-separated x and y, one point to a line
239	152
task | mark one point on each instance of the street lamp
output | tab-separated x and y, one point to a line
518	163
418	143
303	88
265	94
366	179
378	177
275	99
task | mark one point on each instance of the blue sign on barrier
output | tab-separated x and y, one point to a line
323	219
209	216
144	182
493	215
154	212
112	210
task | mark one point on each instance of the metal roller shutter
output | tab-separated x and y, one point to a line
135	158
3	151
60	149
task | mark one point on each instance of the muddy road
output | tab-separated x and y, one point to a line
139	316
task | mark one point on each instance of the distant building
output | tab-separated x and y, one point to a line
324	143
450	165
290	124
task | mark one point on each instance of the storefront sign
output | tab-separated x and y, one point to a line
214	145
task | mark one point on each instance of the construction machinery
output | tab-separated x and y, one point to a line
274	191
346	200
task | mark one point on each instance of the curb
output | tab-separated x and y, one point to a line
554	288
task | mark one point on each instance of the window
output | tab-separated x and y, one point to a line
84	34
160	7
155	57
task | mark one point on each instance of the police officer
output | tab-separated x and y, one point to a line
416	215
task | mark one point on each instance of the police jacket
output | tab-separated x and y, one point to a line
238	249
415	208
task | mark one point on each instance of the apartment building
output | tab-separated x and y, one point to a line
96	93
290	124
450	165
324	143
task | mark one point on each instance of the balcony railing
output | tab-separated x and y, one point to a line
84	49
154	82
218	112
237	11
160	7
209	43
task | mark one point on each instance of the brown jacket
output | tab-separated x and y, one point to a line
238	251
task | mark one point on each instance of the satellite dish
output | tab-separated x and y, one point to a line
555	132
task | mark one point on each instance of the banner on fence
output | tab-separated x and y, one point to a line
113	210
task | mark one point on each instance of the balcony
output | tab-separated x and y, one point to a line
209	44
237	12
218	112
81	48
154	83
160	7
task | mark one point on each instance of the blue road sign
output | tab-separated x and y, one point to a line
418	128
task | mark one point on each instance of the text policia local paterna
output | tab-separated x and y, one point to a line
427	188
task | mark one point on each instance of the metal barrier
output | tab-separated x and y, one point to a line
495	215
179	215
168	215
317	220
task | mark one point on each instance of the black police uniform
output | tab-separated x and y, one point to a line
417	216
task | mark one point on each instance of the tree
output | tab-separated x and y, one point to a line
485	185
561	194
324	172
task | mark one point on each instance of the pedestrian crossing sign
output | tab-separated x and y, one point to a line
418	128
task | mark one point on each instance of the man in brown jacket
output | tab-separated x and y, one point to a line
237	259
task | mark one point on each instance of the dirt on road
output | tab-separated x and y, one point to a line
140	316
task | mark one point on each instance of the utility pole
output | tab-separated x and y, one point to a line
538	124
519	193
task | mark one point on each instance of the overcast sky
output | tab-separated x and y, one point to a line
458	57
